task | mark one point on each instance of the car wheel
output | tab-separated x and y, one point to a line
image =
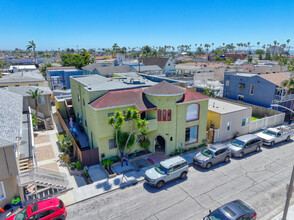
272	143
227	159
160	184
288	138
208	165
258	148
242	154
183	175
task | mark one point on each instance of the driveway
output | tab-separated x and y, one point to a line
259	178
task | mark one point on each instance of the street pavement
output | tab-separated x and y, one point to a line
259	179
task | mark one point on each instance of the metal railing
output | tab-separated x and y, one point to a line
285	98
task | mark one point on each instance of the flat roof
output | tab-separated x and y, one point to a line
224	107
100	83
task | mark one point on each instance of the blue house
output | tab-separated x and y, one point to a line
263	90
58	77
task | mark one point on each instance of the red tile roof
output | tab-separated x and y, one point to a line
125	97
164	88
275	78
190	96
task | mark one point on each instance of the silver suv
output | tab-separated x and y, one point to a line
167	170
212	155
245	144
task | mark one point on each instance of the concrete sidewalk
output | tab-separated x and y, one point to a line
290	214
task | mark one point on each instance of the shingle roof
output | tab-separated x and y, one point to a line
60	67
164	88
22	90
91	67
159	61
10	117
275	78
19	77
126	97
191	96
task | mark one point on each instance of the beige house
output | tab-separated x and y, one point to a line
226	120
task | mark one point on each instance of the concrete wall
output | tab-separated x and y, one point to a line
264	91
45	109
11	189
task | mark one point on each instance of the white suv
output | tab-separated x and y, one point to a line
167	170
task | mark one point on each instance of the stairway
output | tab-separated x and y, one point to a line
43	183
48	122
25	164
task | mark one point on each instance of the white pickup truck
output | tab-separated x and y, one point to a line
271	136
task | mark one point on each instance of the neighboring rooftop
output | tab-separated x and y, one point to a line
147	68
191	96
10	117
62	68
110	70
128	97
22	77
159	61
275	78
100	83
23	90
164	88
224	107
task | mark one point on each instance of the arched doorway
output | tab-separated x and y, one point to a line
159	144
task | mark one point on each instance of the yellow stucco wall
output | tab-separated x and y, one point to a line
213	116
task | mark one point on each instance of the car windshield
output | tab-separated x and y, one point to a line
270	133
22	215
217	215
238	143
207	152
160	169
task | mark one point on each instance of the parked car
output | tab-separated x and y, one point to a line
271	136
212	155
245	144
167	170
235	210
51	209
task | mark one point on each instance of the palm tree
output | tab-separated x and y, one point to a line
35	95
289	84
288	45
275	43
115	46
258	42
32	45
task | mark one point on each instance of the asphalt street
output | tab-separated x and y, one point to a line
259	178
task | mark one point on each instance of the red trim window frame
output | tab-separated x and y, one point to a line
196	137
198	112
169	115
159	115
164	115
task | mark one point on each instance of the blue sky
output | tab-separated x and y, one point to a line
95	24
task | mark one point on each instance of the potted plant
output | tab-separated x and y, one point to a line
106	163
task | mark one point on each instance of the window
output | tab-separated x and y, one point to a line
34	217
164	115
169	115
243	122
45	213
240	97
192	112
226	95
227	83
83	102
16	85
158	115
2	191
41	100
191	135
79	97
241	85
251	89
33	84
229	126
112	144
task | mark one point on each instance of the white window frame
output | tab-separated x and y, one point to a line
252	86
229	125
4	194
242	98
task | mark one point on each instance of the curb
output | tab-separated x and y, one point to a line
130	183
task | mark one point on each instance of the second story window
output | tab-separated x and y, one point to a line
241	85
192	112
251	89
79	97
169	115
164	115
227	83
83	102
158	115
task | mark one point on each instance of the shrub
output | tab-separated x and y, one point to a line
65	158
145	143
115	159
107	163
86	173
79	166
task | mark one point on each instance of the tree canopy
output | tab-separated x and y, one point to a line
77	60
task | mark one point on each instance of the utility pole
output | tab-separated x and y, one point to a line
289	194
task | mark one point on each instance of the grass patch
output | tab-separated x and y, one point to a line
115	76
254	118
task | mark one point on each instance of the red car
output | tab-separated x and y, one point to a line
51	209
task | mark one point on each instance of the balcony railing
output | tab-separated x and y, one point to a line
285	98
